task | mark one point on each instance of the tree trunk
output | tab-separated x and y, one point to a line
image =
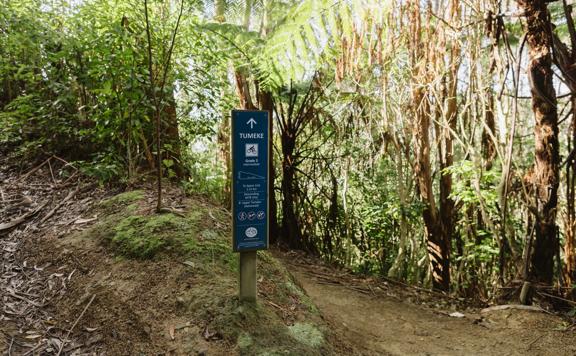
243	91
290	224
398	268
438	221
446	157
488	133
267	103
565	59
546	167
438	252
570	219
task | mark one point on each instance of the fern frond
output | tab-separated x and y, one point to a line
315	30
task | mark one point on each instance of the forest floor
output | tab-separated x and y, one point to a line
85	270
88	271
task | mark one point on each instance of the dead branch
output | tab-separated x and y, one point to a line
73	325
66	163
513	306
33	170
556	297
52	172
59	205
21	219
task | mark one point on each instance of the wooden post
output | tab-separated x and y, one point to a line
248	276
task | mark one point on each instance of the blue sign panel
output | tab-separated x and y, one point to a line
250	154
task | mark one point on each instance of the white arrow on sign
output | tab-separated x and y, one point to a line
251	122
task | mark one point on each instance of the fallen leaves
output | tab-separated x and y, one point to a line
19	220
26	288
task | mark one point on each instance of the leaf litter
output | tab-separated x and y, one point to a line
31	204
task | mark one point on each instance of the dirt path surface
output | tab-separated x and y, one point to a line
378	320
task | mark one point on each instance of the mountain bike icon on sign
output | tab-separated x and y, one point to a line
251	150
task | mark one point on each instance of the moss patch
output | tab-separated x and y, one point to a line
307	334
257	330
123	199
133	235
144	236
244	341
200	235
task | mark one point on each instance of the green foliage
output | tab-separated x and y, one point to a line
483	252
207	175
310	35
13	118
381	214
466	176
473	188
104	167
36	98
76	83
381	224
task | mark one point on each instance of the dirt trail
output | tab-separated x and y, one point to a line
377	324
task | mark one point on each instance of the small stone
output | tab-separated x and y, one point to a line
457	315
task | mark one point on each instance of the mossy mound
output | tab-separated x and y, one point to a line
284	322
144	236
131	230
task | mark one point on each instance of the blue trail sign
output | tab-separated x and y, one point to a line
250	154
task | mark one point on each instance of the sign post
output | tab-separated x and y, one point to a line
250	156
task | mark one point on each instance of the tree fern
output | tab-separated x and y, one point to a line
313	32
309	35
